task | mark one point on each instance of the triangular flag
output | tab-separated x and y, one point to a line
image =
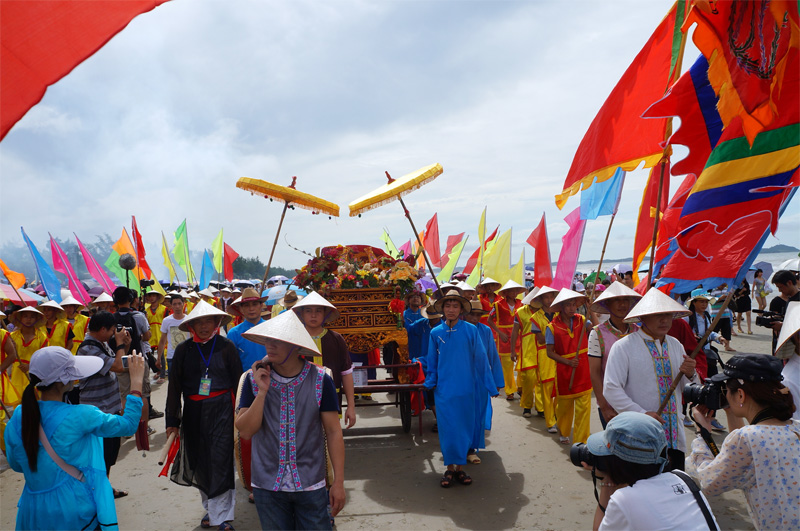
15	279
61	264
46	274
230	258
431	241
217	249
451	261
206	271
543	268
167	259
94	268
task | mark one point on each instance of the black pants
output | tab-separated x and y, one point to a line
111	451
724	328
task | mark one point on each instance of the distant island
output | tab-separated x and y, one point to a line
780	248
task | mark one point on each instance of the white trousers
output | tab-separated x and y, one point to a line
220	508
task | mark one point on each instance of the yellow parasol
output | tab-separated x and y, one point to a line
291	198
396	189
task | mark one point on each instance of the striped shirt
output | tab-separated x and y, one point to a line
101	389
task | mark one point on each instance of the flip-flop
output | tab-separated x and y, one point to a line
120	493
226	526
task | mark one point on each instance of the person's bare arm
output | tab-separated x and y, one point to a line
350	412
11	354
248	420
333	432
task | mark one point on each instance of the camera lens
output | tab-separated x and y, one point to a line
579	452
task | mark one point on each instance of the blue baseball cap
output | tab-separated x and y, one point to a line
633	437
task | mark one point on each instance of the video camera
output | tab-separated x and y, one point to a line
143	283
580	452
767	318
709	394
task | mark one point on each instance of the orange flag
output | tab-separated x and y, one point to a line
17	279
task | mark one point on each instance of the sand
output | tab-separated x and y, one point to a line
392	478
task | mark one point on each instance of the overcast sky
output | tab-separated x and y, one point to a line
164	119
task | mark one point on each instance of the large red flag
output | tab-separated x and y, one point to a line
41	42
139	246
618	136
431	241
452	241
647	214
230	256
473	259
542	268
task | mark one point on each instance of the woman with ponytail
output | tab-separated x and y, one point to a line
59	446
762	457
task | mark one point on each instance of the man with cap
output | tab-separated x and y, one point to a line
501	321
78	322
524	334
171	334
28	336
457	366
58	330
486	294
249	307
616	301
642	366
315	312
566	338
205	373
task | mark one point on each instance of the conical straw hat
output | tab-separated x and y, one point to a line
204	293
103	297
566	295
204	309
615	290
655	302
56	306
15	316
315	299
160	299
463	286
285	327
489	281
69	300
544	290
529	298
791	324
512	286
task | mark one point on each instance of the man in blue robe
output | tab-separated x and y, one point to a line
457	366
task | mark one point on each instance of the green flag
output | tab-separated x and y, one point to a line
216	248
452	259
390	247
181	251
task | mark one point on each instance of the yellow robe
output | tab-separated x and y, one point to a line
19	379
79	328
155	319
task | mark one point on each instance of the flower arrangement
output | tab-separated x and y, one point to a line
396	306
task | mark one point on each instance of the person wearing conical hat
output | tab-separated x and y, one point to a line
567	340
524	334
155	311
104	302
501	321
78	321
486	294
457	366
8	355
288	408
468	291
315	312
642	366
58	330
29	336
615	302
208	295
249	307
545	372
204	376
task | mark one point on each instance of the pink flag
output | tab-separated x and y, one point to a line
62	265
570	249
406	249
95	270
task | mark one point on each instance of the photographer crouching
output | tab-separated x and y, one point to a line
761	459
627	460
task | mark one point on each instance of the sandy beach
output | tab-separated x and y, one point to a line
392	478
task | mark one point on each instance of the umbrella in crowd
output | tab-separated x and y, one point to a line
276	293
29	298
279	279
792	264
594	274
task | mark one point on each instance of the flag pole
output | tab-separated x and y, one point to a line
164	242
136	252
274	245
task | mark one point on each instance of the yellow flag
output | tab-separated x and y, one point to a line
157	285
497	259
167	259
518	271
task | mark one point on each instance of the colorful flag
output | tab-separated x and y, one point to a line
602	199
139	247
431	241
217	249
230	258
518	271
749	46
181	252
618	137
406	250
477	257
450	262
45	273
570	250
93	266
66	33
206	271
61	264
389	244
157	285
167	259
643	239
15	279
497	260
121	247
542	268
452	241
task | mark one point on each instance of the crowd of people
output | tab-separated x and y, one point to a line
263	390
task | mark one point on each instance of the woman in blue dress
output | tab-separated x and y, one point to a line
75	492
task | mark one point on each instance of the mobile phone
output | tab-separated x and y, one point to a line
125	362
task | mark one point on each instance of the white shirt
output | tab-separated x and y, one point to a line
791	379
630	380
175	337
660	502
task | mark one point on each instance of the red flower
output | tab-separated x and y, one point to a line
396	306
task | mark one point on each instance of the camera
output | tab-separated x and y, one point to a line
767	318
580	452
709	394
120	328
146	283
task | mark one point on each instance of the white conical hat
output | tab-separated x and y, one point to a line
60	313
285	327
2	315
70	300
489	280
791	323
566	294
15	316
463	286
528	299
160	295
103	297
315	299
207	293
544	290
615	290
511	285
655	302
193	294
204	309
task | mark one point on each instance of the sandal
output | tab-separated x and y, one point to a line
447	479
225	526
463	478
205	523
120	493
473	459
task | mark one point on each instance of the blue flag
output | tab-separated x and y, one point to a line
602	199
47	276
207	272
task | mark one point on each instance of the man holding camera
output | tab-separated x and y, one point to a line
642	366
786	282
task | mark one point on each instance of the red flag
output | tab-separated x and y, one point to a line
139	246
452	241
473	260
542	268
618	136
431	241
230	256
43	41
647	214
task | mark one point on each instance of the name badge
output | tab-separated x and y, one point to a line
205	387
